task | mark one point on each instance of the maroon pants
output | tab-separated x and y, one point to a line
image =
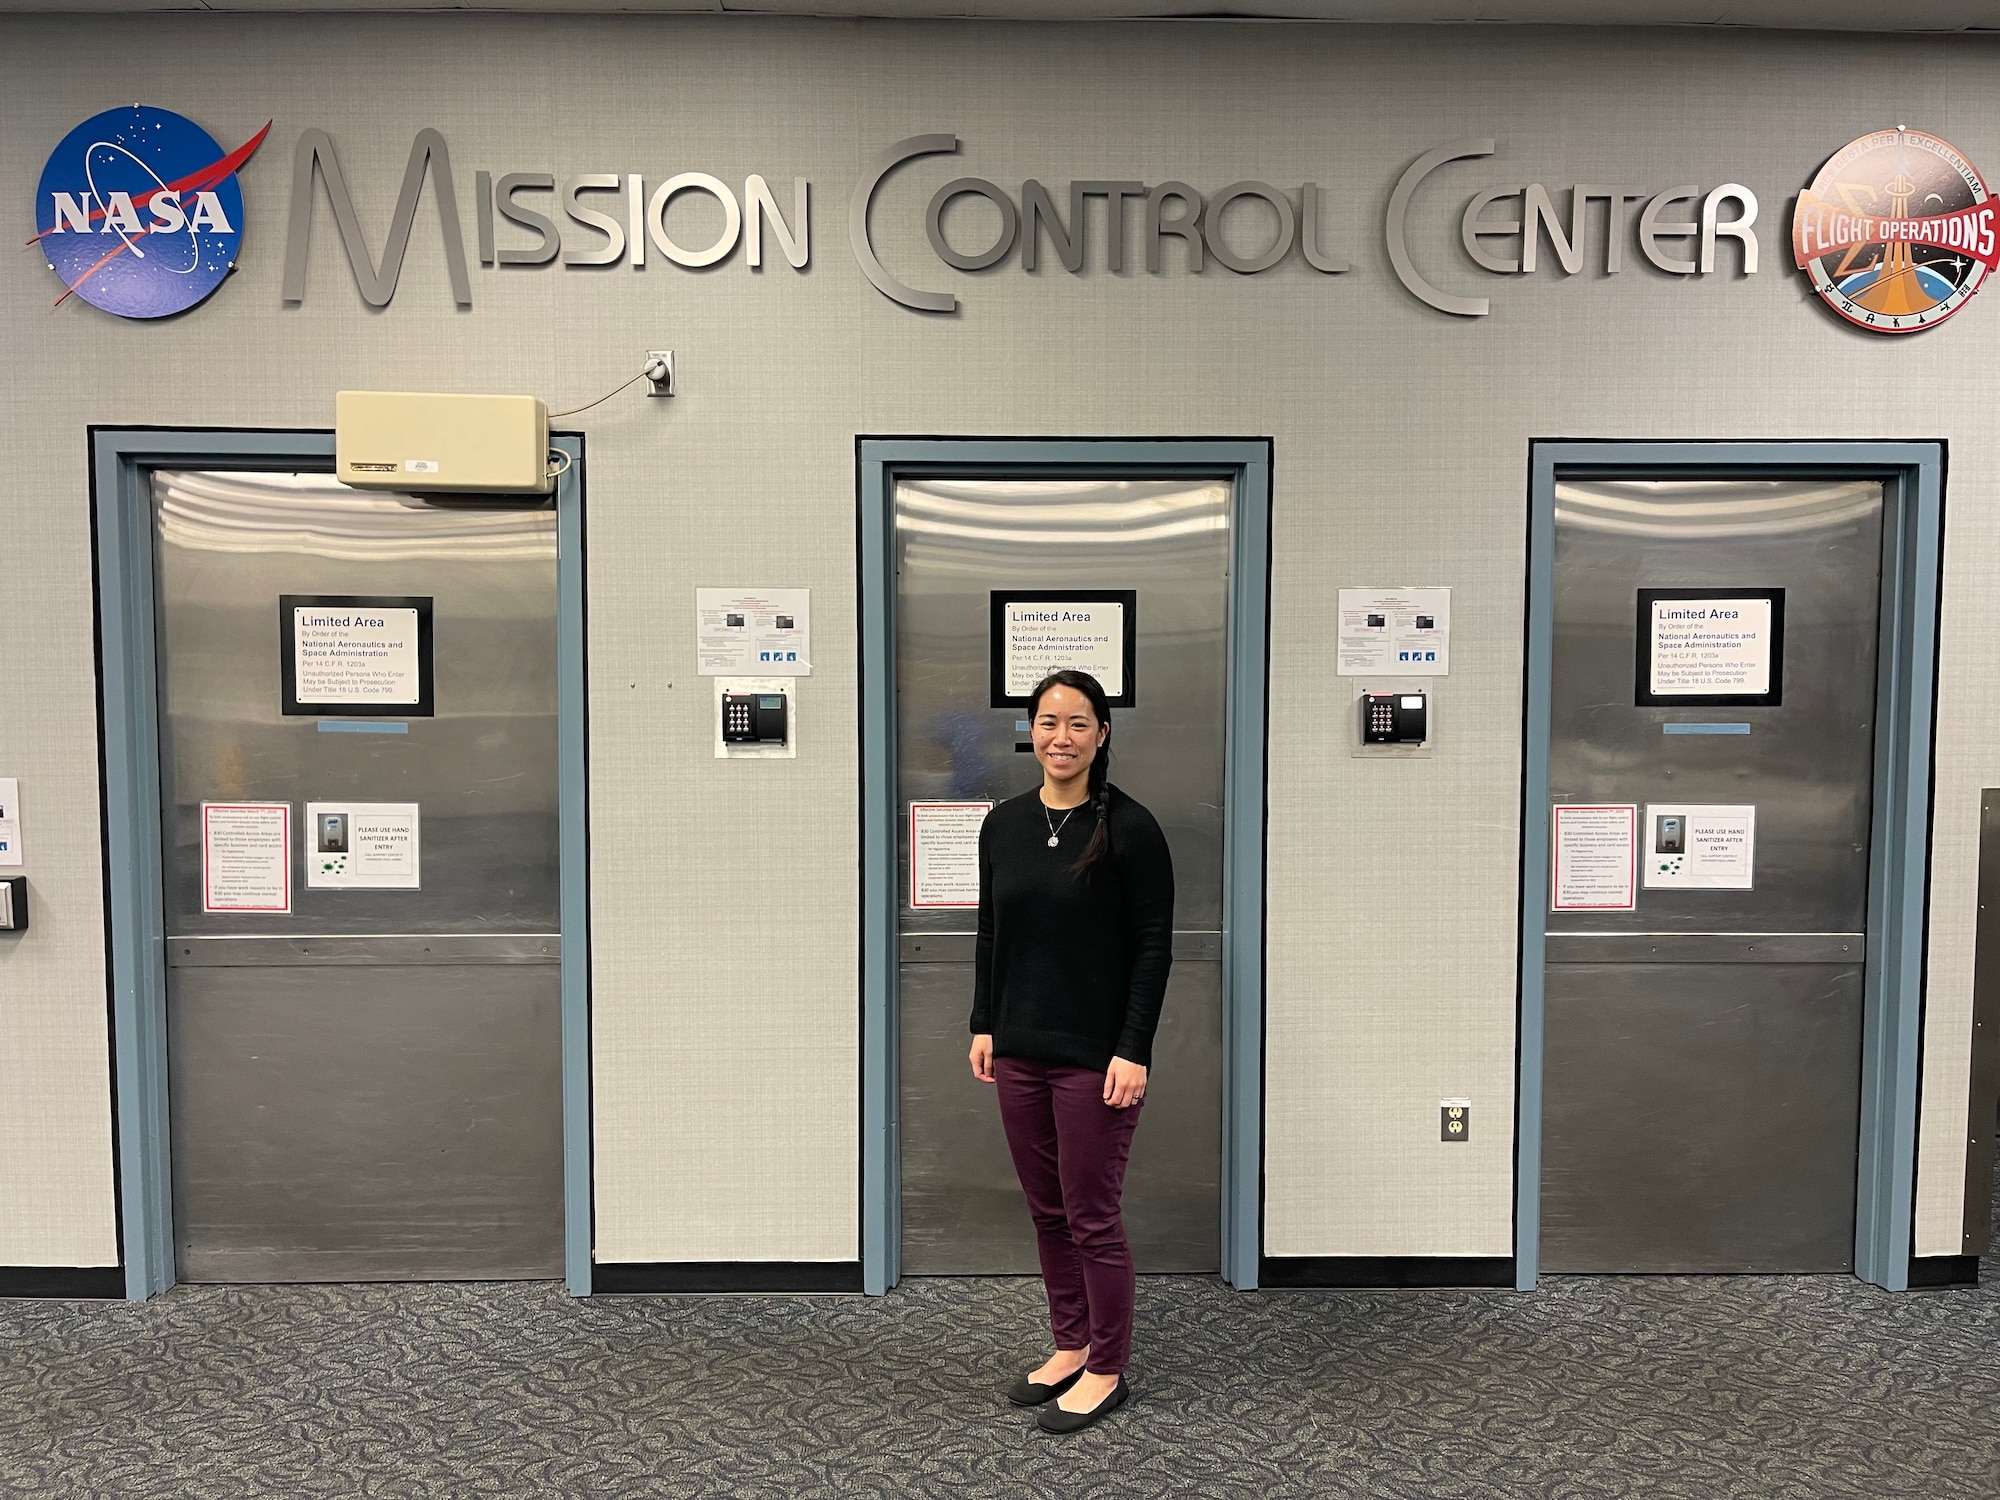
1070	1149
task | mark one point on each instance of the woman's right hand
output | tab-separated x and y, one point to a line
982	1057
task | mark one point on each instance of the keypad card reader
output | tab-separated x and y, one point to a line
13	903
753	718
1395	718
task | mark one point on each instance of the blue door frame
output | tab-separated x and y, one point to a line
122	534
1247	463
1899	850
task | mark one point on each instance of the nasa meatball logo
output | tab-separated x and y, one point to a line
139	211
1897	231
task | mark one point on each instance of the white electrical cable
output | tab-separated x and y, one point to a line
600	400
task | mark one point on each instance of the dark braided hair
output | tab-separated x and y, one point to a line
1100	767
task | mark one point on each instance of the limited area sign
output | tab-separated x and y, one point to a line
356	654
1717	647
1036	632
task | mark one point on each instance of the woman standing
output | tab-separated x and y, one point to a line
1076	919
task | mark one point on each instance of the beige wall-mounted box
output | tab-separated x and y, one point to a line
411	440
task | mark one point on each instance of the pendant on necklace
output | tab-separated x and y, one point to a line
1053	841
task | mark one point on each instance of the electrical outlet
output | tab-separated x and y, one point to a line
1454	1119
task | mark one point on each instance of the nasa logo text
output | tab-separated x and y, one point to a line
139	211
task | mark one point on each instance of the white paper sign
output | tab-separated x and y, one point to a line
10	821
1700	846
369	846
1704	647
246	856
1049	636
1594	864
355	655
753	632
1394	633
944	853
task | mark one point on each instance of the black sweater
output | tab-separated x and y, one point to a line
1071	969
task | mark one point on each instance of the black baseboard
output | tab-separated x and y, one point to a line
726	1276
63	1281
1943	1270
1300	1272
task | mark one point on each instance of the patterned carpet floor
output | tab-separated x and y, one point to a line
1763	1388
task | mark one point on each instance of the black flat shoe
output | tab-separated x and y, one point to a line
1025	1392
1055	1419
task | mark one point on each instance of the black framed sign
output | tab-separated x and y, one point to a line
1034	632
357	655
1710	648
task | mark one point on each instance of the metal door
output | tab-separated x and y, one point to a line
1703	1050
956	541
369	1086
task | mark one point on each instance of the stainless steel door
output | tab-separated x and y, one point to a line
369	1087
956	540
1702	1066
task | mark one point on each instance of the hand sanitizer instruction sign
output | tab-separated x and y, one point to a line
363	846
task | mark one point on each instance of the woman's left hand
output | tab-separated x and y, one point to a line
1124	1084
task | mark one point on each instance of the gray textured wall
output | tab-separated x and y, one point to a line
726	1115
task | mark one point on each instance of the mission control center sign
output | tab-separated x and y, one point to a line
139	212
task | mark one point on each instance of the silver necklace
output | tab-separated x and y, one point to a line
1055	828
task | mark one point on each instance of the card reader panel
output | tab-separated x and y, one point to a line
1395	718
754	719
